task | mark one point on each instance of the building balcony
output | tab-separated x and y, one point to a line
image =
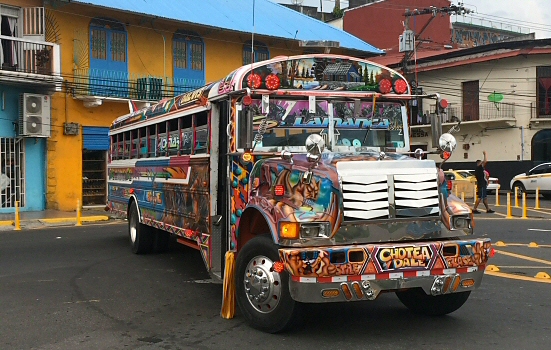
99	85
488	114
30	62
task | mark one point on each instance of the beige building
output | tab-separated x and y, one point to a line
501	93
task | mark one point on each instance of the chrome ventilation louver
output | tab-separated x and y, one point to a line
388	189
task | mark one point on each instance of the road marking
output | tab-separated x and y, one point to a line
524	257
81	301
520	267
539	229
517	277
531	245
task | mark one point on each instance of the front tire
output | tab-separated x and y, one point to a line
520	188
262	294
141	236
419	302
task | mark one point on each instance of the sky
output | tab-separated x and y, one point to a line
526	16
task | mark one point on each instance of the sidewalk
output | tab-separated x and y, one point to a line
50	217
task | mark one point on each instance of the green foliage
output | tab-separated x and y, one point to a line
337	12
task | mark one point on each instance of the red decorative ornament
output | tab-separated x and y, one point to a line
385	86
254	81
247	100
400	86
273	82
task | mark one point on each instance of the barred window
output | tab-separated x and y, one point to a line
261	52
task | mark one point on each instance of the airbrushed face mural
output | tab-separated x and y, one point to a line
277	187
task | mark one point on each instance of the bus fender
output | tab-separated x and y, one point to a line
255	221
131	199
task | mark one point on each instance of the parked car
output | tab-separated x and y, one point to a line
462	182
538	177
493	183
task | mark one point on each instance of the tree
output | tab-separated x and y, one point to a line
337	12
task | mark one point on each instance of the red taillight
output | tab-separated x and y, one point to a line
400	87
385	86
450	185
279	190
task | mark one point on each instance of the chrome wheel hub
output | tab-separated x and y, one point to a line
262	284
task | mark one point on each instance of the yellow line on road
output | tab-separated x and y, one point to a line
529	258
517	277
521	267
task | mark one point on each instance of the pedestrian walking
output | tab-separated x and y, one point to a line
482	184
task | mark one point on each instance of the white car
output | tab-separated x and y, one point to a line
493	182
537	177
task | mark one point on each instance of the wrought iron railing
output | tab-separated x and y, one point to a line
27	56
109	83
485	112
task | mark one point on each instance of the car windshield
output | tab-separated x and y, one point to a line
465	174
356	126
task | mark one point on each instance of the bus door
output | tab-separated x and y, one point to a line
219	116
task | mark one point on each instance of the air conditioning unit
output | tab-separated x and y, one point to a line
34	115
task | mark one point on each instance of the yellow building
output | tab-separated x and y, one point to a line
113	55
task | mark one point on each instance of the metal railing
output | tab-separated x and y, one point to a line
119	84
485	112
27	56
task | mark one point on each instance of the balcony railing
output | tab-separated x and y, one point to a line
27	56
486	112
117	84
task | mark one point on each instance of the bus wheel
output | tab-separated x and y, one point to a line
161	241
419	302
262	294
141	236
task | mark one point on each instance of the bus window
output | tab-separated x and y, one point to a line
201	133
143	142
126	145
114	146
173	140
201	139
161	140
151	141
134	140
186	138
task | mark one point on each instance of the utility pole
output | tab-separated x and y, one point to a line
409	40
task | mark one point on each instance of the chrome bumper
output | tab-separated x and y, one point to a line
356	288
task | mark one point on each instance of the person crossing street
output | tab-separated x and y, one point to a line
482	184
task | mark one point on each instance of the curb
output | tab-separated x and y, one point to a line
65	220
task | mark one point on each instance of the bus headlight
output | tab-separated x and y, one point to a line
461	222
296	230
315	230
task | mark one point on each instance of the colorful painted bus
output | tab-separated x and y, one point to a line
294	180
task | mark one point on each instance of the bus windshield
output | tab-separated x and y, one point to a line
357	126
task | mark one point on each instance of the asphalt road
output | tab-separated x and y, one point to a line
82	288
